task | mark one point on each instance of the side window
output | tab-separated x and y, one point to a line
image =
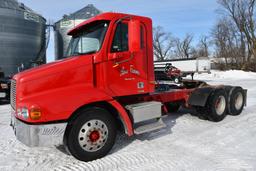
120	41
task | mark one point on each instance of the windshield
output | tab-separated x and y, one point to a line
89	40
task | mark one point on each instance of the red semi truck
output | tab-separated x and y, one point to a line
105	84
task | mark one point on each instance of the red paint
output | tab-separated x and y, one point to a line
62	87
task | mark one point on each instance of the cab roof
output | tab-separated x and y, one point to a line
104	16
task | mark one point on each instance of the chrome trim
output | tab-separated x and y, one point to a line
13	94
145	111
86	131
46	135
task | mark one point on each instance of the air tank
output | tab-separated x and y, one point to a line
22	36
67	23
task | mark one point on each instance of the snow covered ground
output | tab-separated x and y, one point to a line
187	143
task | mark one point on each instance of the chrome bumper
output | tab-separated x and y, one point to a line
38	135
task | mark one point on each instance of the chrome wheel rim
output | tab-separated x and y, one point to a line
93	135
220	105
239	101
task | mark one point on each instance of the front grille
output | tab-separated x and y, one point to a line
13	94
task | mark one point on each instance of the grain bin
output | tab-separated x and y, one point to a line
22	35
67	23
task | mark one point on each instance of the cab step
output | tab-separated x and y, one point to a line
159	124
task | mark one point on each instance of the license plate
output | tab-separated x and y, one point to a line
2	95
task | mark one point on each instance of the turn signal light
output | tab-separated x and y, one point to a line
35	113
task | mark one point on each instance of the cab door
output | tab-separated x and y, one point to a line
127	72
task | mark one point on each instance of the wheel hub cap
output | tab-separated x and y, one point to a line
93	135
220	105
239	101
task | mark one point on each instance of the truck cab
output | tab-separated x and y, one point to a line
105	83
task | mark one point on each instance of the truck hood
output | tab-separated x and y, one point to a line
47	69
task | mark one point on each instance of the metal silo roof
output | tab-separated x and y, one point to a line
11	4
84	13
15	5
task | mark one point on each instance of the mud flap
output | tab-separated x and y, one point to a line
245	97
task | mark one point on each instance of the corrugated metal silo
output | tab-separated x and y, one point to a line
22	36
68	22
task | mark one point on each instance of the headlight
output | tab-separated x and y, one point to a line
24	113
19	112
34	113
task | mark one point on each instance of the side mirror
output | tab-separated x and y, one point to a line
134	35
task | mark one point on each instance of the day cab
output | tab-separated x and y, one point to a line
106	83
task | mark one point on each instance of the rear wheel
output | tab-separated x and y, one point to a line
237	101
216	107
91	135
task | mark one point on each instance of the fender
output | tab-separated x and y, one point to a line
124	117
200	96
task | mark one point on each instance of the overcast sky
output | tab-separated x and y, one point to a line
176	16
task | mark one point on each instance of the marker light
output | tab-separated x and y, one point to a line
35	113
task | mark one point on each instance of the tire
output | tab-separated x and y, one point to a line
172	107
217	105
236	102
91	135
177	80
201	112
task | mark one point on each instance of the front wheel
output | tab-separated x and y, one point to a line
91	135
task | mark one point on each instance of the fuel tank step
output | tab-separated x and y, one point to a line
145	111
159	124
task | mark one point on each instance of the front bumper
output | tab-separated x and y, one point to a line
44	135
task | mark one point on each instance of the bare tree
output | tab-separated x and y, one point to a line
163	44
228	42
203	46
184	47
242	12
221	36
